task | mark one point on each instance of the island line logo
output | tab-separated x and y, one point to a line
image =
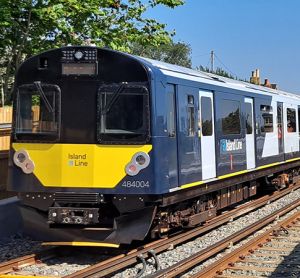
77	160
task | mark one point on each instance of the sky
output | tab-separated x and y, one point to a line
244	34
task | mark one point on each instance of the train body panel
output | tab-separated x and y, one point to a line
103	138
83	165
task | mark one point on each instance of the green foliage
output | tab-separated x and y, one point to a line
221	72
218	71
174	53
28	27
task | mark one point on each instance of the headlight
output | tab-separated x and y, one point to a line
21	159
78	55
138	162
140	159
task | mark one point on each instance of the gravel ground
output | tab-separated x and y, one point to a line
61	266
212	260
17	246
171	257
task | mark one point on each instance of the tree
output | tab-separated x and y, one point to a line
31	26
218	71
174	53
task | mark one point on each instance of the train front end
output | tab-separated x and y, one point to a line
81	151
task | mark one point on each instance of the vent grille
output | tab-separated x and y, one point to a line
78	198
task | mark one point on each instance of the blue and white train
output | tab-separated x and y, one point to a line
108	148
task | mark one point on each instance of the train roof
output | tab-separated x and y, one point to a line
204	77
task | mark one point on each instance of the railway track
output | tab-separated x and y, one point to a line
198	258
273	252
16	265
140	254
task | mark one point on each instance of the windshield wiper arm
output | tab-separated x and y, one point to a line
113	99
43	96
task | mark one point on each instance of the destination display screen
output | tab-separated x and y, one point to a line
79	68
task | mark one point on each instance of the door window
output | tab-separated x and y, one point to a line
249	117
267	116
191	116
291	120
171	111
206	116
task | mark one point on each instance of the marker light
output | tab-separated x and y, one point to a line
132	168
21	159
29	167
138	162
78	55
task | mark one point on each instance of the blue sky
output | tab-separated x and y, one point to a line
245	35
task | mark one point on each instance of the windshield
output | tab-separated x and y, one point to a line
38	110
123	114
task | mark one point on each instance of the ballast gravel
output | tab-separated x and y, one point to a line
183	251
18	246
253	273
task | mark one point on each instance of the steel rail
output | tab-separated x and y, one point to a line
239	254
16	264
119	262
194	260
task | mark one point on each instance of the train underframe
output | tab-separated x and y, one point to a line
120	219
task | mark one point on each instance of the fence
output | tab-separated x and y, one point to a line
5	118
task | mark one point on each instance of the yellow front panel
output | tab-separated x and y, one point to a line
76	165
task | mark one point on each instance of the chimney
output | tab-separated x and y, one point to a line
254	79
257	73
267	83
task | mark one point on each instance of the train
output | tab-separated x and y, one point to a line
109	148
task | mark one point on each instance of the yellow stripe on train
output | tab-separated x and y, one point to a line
80	165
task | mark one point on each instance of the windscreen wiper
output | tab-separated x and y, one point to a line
113	99
43	96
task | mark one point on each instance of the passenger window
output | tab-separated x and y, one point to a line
230	117
171	111
291	120
267	115
248	111
206	116
191	116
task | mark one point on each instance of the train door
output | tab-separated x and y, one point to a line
291	140
267	149
188	143
206	134
230	134
172	137
250	137
280	129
